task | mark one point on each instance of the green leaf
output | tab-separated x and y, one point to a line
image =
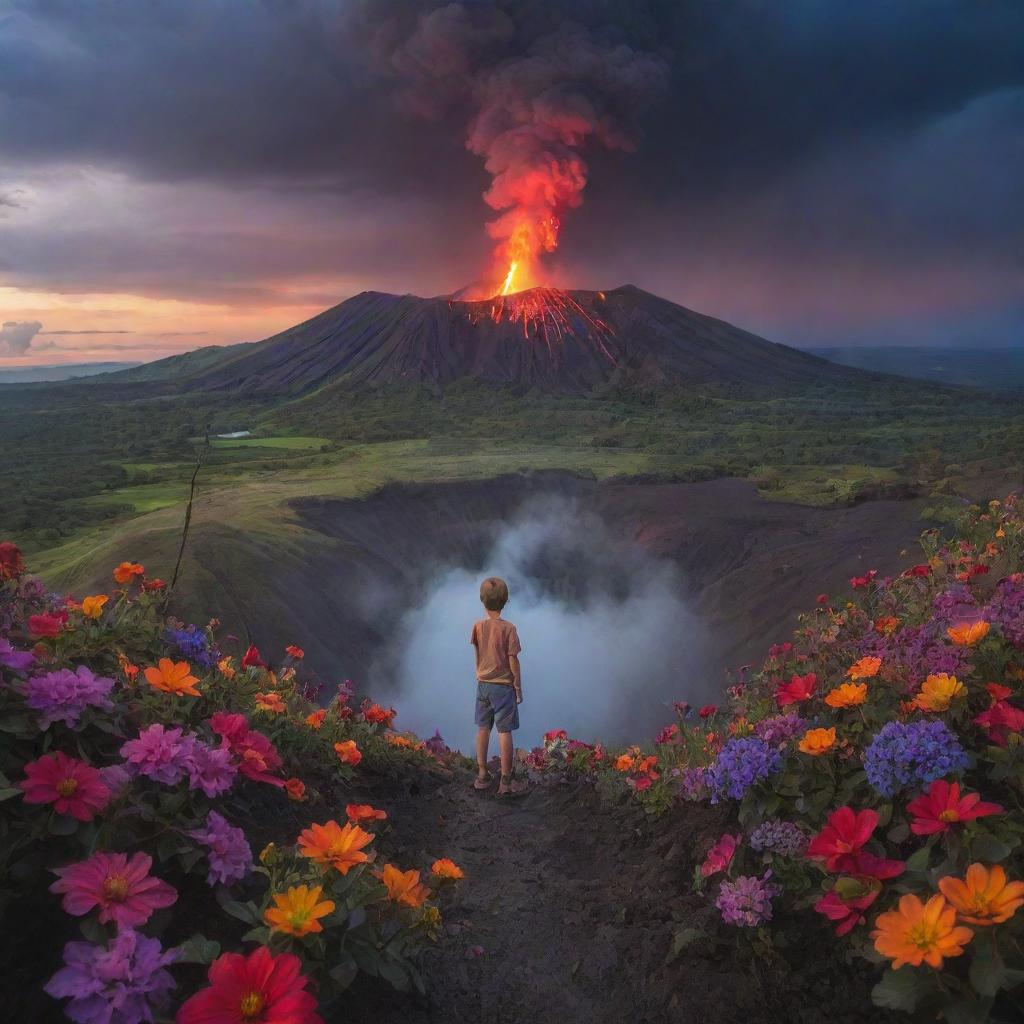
344	972
62	825
899	832
919	859
987	848
244	912
682	938
198	950
900	990
6	794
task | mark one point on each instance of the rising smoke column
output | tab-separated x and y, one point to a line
538	93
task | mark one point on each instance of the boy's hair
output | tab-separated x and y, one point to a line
494	593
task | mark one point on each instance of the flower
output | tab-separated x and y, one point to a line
708	710
1000	720
193	644
779	729
270	702
740	764
227	850
817	741
403	886
918	571
149	586
296	789
130	671
747	901
92	607
127	571
173	677
445	868
863	581
158	753
865	668
47	624
252	658
316	719
886	624
226	668
122	888
63	696
364	812
719	856
13	659
120	983
296	912
938	692
847	910
912	754
257	756
260	987
330	845
798	689
209	768
72	786
967	634
848	695
11	564
348	752
845	832
917	932
295	652
783	838
983	897
942	807
667	735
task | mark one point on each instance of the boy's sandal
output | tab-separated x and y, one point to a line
511	786
484	783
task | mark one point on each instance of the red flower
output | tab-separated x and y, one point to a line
252	657
150	586
918	570
1001	719
997	692
555	734
11	564
719	856
258	758
47	624
866	865
841	839
72	786
296	789
296	652
377	715
261	988
124	890
708	710
865	580
822	599
799	688
942	807
776	650
846	911
668	734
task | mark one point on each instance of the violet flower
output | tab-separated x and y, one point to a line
63	696
228	852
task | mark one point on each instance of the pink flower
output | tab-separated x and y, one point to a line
258	758
72	786
123	889
719	856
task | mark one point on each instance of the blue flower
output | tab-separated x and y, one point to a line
740	764
905	754
192	644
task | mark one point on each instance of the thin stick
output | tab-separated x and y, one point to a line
188	520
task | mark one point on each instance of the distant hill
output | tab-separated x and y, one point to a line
556	341
68	371
999	369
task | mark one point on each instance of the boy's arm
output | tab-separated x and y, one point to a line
517	678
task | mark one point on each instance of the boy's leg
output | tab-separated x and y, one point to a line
483	736
505	748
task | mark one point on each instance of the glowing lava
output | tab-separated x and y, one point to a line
510	278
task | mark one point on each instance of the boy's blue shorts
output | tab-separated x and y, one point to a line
496	706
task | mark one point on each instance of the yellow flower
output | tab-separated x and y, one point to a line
226	667
983	897
296	912
92	607
865	668
848	695
445	868
939	691
403	886
173	677
967	634
818	741
919	932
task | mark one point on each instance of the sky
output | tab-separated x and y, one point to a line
191	172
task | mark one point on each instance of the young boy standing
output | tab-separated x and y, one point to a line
499	685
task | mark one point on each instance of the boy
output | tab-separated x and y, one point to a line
499	686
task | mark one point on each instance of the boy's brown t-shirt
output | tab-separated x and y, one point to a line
495	640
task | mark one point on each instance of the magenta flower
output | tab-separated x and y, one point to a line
210	769
158	753
13	659
747	902
62	696
123	889
120	983
226	849
72	786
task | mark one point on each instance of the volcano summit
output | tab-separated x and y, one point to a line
557	341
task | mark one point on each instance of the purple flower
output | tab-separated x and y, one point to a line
436	744
62	696
210	769
693	783
780	837
158	753
912	754
740	764
120	983
115	778
13	659
780	729
747	902
1006	610
226	849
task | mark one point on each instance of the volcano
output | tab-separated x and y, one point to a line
556	341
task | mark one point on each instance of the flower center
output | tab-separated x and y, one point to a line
115	888
922	935
67	786
949	815
252	1005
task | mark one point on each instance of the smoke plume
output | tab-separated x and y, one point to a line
608	640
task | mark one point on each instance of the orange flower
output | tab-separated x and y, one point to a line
967	634
364	812
330	845
127	571
226	667
316	719
296	789
624	763
296	911
866	668
130	671
445	868
173	677
939	691
296	652
92	607
887	624
348	752
403	886
270	702
396	739
848	695
919	932
818	741
983	897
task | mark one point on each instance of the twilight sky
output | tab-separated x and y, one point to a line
178	173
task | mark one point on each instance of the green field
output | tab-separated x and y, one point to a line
289	443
